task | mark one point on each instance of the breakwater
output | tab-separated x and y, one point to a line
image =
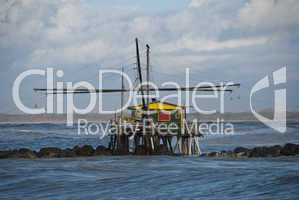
88	151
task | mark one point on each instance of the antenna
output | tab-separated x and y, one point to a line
147	71
140	73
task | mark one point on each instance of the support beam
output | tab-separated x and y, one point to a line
147	71
140	73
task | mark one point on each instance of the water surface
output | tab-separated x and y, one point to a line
138	177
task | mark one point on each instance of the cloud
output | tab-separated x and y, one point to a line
197	3
74	33
270	14
239	39
198	44
77	53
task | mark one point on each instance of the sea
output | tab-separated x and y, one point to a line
147	177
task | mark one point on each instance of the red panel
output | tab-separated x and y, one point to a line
164	116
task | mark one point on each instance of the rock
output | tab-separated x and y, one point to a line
50	152
290	149
5	154
232	154
257	152
241	150
274	151
102	150
68	153
21	153
214	154
223	154
86	150
25	153
241	154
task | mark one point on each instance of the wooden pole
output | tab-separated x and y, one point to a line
147	71
139	72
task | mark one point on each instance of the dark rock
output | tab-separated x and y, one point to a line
86	150
68	153
214	154
102	150
223	154
257	152
290	149
75	148
6	154
50	152
241	154
231	154
241	150
25	153
274	151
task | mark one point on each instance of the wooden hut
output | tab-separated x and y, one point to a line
159	126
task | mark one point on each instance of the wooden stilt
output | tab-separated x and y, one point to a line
169	139
190	146
178	146
197	145
152	143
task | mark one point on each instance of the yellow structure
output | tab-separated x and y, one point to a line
157	105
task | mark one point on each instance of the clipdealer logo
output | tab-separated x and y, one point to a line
56	103
278	123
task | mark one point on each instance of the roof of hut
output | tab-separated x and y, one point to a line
157	105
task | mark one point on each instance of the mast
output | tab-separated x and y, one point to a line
122	92
140	73
147	71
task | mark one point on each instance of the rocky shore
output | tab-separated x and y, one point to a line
264	151
88	151
53	152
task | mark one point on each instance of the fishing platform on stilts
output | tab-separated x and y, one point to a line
141	132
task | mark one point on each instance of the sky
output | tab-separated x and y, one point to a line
236	40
